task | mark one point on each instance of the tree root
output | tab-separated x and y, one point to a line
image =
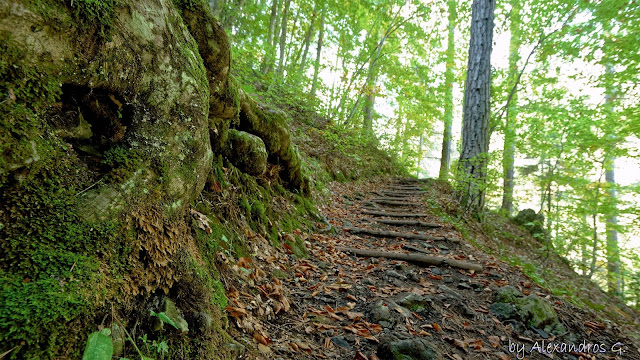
405	222
394	234
414	258
381	212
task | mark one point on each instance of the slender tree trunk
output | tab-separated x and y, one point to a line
418	168
475	128
367	125
594	248
614	273
585	251
283	36
288	63
393	26
614	277
304	49
508	161
449	79
271	49
217	7
316	69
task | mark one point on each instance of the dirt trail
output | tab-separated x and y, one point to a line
342	303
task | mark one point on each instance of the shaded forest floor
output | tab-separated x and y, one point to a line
336	305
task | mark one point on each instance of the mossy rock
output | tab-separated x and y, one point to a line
410	349
539	313
247	152
508	294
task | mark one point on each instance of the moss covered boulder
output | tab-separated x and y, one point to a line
247	152
538	313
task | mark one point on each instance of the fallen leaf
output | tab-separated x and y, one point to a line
245	262
264	349
201	220
261	339
360	356
495	341
236	312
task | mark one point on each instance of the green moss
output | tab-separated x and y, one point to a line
122	162
27	89
258	212
244	204
50	258
298	247
35	316
274	238
98	13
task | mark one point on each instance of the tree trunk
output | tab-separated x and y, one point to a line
304	49
283	36
316	69
270	53
367	125
614	278
508	161
449	77
475	133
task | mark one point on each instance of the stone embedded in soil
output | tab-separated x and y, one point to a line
539	313
464	285
448	292
503	311
414	302
393	274
367	281
381	314
173	313
507	294
341	342
517	326
412	276
410	349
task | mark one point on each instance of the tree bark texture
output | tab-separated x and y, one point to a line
270	53
508	162
614	278
283	36
449	79
316	68
475	129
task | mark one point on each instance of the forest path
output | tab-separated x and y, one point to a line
352	298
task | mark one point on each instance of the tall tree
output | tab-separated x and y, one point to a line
271	48
475	127
316	65
283	36
448	97
508	161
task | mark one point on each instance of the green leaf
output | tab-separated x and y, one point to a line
164	318
167	320
99	346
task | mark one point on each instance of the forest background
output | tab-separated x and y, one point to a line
564	122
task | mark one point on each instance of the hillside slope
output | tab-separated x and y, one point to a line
341	306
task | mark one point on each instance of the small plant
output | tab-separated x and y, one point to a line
164	319
99	346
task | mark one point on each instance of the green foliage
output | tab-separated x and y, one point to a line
164	318
99	346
